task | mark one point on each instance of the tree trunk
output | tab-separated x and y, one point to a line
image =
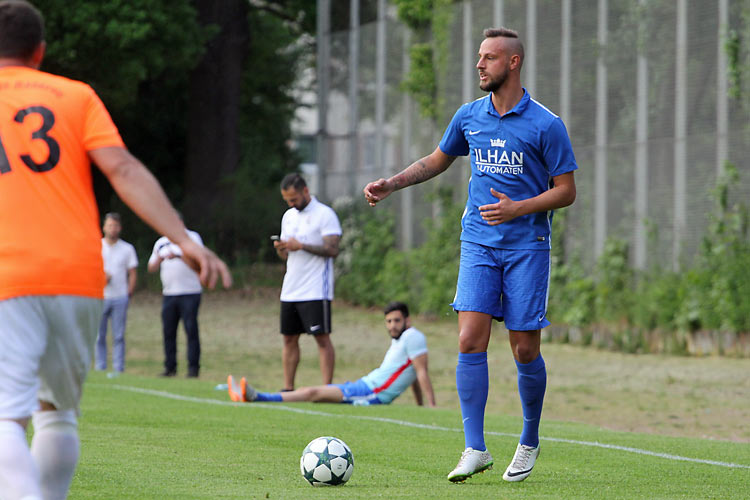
213	146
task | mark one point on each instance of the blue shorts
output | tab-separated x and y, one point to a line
357	393
510	285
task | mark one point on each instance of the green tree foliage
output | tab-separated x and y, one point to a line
713	294
139	56
737	47
430	21
371	271
416	14
421	81
117	45
268	109
367	244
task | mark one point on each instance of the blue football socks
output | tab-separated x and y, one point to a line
472	382
532	382
269	396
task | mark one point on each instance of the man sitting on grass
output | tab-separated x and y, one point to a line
404	365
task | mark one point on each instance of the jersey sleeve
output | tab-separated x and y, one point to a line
284	222
454	142
155	251
132	257
99	130
557	150
196	237
416	344
330	224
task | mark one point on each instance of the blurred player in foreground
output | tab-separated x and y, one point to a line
51	271
404	365
522	167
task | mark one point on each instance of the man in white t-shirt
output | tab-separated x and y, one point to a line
120	267
404	366
181	297
309	241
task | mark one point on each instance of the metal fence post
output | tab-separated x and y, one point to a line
407	200
565	22
324	55
722	90
530	62
380	90
680	135
641	151
353	95
498	13
600	167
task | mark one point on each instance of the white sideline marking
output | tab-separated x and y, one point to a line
278	406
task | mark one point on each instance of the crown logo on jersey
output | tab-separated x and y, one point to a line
498	143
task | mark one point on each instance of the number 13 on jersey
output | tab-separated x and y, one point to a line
53	156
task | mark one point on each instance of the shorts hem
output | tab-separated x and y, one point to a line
314	334
528	327
465	308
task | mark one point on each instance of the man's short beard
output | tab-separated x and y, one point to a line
403	329
495	84
490	86
303	204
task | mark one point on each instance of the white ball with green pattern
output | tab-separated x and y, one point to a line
327	461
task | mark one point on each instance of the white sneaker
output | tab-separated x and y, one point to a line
472	462
523	461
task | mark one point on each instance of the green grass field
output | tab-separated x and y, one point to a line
614	426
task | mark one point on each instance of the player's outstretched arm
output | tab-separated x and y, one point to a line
140	190
423	378
421	170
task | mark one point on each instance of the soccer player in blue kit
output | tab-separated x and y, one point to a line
522	166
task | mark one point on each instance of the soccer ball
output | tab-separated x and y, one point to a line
326	461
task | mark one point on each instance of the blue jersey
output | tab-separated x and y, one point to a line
517	154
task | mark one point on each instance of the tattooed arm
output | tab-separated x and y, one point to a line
329	248
421	170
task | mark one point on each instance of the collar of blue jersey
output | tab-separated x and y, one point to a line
517	109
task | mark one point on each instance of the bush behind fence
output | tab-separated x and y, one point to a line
702	309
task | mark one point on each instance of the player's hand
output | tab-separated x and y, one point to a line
496	213
206	263
377	191
292	245
280	245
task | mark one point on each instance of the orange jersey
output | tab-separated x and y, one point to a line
50	241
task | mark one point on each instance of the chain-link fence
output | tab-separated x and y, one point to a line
641	85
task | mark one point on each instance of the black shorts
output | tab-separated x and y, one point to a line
312	316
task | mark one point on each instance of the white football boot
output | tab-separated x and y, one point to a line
472	462
523	461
